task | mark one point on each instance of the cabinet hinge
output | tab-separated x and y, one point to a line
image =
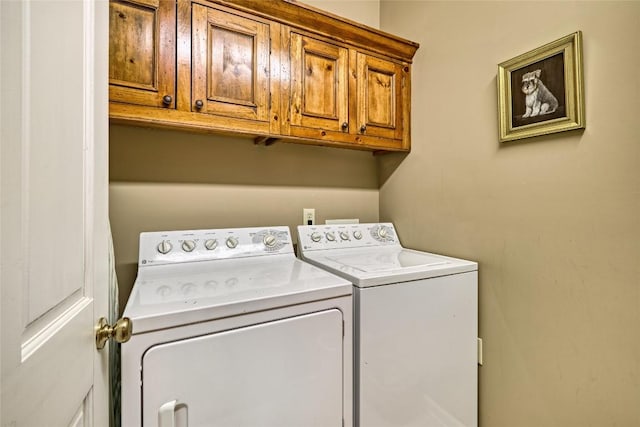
343	329
269	45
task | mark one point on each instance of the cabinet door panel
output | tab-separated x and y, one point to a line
379	97
230	69
319	94
141	52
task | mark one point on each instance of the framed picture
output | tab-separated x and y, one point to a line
542	91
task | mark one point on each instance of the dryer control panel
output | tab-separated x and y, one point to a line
321	237
170	247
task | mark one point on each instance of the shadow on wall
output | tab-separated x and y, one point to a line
387	164
157	155
573	137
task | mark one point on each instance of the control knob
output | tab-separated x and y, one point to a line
330	236
188	288
163	291
232	242
316	237
357	234
211	284
270	240
165	247
188	245
383	232
344	235
211	244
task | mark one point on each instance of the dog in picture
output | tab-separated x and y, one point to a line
539	100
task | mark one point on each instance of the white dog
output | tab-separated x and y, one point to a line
539	100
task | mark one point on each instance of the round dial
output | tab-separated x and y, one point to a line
163	290
211	244
232	242
383	232
330	236
344	235
188	245
188	288
315	236
210	284
165	247
357	234
270	240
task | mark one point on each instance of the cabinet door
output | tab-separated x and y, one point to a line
319	84
142	52
380	93
230	68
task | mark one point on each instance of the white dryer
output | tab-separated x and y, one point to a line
231	329
415	326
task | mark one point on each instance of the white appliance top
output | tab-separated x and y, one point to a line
198	275
371	254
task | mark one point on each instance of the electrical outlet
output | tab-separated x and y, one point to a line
308	216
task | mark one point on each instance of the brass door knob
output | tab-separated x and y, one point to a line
363	129
121	331
199	104
345	126
167	100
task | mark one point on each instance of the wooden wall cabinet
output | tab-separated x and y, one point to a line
230	69
382	90
341	94
271	69
319	86
142	52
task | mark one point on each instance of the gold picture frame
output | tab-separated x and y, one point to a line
549	90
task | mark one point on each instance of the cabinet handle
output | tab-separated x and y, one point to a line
345	126
167	99
199	104
363	128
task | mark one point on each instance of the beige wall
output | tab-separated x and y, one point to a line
363	11
554	221
164	180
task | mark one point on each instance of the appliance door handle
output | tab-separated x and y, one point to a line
166	414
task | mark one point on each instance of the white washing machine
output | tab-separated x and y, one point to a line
415	326
231	329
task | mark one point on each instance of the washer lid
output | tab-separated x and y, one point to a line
383	265
172	295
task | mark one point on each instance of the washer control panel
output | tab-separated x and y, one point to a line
319	237
169	247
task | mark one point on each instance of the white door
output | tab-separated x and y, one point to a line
54	182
